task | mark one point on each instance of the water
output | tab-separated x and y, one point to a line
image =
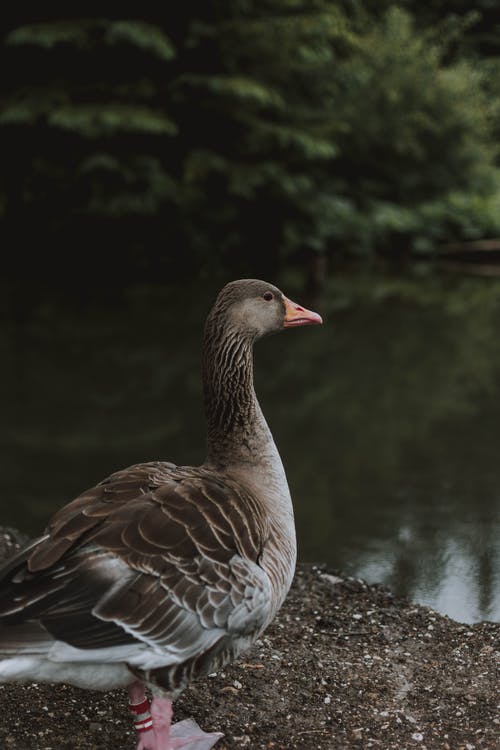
387	419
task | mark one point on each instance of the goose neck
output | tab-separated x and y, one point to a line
236	428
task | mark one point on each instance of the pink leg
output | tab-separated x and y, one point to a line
162	735
139	707
161	711
185	735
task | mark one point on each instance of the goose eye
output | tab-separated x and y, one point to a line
268	296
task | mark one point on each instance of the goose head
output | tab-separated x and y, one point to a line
251	309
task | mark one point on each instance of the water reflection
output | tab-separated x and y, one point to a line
387	419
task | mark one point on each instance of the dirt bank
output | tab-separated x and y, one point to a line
345	665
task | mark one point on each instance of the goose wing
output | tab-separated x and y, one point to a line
159	580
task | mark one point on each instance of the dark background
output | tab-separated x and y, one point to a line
244	138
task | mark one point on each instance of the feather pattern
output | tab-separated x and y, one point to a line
173	569
164	572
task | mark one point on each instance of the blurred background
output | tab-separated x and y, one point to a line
348	151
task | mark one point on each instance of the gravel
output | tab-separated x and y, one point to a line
344	665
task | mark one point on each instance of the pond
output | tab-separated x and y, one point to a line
387	419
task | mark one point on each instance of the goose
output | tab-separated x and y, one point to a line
161	574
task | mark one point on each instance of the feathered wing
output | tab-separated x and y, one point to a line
167	581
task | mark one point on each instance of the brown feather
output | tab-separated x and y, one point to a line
191	561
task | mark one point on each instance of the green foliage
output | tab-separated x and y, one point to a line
146	36
417	152
251	133
48	35
87	35
236	89
84	124
412	124
266	140
137	185
94	121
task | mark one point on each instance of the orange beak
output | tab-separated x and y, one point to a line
298	316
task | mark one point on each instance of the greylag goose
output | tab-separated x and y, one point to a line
162	573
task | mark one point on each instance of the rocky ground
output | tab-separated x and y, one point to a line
345	665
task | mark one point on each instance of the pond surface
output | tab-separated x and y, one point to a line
387	419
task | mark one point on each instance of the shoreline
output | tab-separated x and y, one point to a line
344	665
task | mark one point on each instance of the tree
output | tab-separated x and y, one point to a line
241	134
416	151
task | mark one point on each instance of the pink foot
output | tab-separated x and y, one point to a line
147	741
186	734
163	735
